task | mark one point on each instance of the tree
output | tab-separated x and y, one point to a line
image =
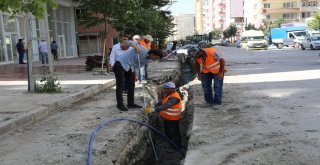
230	32
216	33
314	24
36	7
250	27
268	25
129	16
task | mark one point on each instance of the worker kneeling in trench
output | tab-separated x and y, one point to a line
170	110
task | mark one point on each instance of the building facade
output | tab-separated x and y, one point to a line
184	26
292	11
217	14
58	23
234	13
199	16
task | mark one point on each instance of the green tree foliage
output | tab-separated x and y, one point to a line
36	7
250	27
268	25
215	34
314	24
230	31
129	16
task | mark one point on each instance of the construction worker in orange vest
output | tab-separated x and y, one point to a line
146	41
170	111
210	67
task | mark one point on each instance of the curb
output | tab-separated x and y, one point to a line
45	110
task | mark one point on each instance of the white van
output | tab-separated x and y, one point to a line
253	39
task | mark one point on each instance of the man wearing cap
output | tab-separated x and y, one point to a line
146	41
210	67
170	111
136	38
124	68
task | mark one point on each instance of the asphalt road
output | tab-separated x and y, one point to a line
270	111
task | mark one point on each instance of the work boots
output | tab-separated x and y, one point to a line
122	107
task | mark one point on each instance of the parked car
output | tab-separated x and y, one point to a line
253	39
311	42
184	49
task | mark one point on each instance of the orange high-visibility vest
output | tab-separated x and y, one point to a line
211	64
144	44
174	112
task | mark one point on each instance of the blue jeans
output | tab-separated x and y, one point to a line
207	88
44	58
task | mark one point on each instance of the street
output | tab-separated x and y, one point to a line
269	116
270	111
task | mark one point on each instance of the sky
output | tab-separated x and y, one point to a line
182	7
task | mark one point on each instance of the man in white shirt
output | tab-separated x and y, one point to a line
118	49
44	51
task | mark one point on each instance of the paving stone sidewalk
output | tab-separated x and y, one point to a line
19	107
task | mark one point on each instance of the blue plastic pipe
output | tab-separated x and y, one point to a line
98	127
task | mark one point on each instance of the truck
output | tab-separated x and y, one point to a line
287	36
253	39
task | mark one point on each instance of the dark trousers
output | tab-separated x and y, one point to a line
54	52
123	78
172	131
21	57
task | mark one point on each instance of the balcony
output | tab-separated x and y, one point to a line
308	9
222	5
222	12
281	10
221	20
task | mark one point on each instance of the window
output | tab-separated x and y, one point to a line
304	3
288	5
288	16
305	14
314	3
267	16
310	4
266	5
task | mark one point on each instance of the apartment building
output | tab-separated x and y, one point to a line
217	14
184	26
252	12
290	10
214	15
234	13
198	16
58	23
293	11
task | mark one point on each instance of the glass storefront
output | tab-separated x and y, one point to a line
60	25
61	28
2	53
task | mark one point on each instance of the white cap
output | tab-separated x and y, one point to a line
137	37
169	85
148	37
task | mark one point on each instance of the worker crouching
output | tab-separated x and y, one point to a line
170	110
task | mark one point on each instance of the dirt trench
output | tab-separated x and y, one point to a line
140	150
62	138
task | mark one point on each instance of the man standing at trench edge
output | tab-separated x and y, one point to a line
210	67
124	68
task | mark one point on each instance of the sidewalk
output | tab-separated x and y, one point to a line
19	107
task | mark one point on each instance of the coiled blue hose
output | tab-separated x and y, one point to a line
98	127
